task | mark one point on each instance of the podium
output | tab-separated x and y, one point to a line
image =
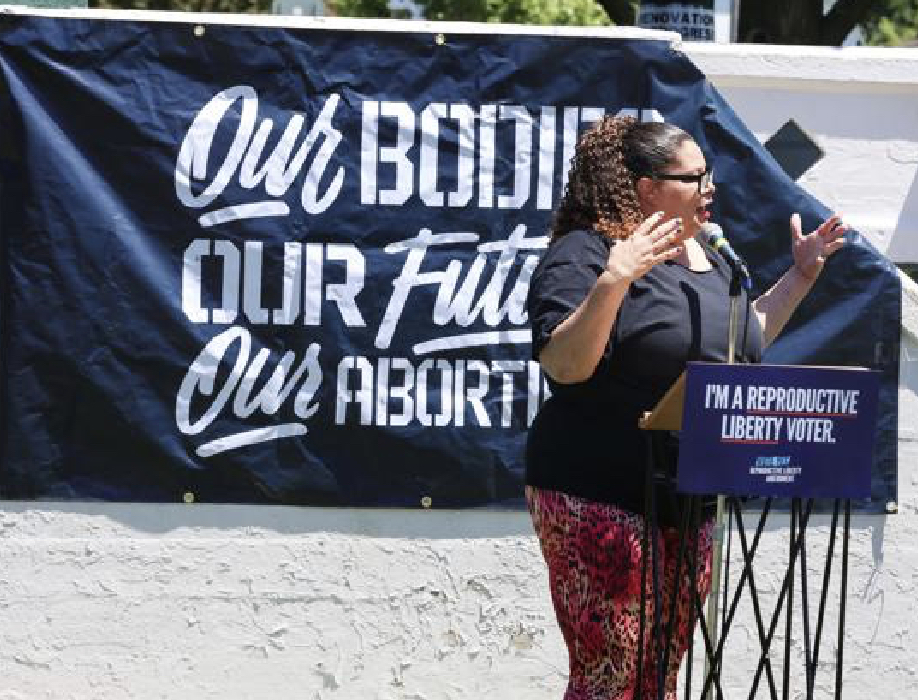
766	431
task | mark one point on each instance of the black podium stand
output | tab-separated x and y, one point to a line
693	407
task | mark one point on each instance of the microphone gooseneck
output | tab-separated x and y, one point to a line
714	236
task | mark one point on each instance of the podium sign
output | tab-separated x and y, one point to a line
775	430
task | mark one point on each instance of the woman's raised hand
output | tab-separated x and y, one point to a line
651	243
811	250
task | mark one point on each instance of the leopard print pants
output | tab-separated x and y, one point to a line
593	552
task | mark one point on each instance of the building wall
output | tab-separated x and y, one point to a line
858	104
125	601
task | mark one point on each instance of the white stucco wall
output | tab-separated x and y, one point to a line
123	601
858	104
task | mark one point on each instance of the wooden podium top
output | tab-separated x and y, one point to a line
667	414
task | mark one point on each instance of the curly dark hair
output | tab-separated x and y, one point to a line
610	158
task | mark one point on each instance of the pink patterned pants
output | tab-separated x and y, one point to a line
593	552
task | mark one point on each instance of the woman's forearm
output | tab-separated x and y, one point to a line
575	346
775	307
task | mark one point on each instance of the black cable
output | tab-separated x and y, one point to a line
746	326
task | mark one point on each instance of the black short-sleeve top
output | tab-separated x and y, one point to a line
585	439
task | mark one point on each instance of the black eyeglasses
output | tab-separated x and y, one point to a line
704	180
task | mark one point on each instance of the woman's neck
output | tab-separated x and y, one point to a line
693	256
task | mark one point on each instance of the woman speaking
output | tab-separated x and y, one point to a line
625	295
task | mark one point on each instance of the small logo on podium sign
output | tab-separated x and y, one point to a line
768	430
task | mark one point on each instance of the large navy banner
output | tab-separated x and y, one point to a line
289	265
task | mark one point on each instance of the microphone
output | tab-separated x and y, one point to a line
714	235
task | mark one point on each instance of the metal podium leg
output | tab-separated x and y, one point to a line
674	595
717	541
788	630
820	617
648	547
843	602
692	576
805	609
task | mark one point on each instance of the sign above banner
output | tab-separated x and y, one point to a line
694	20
